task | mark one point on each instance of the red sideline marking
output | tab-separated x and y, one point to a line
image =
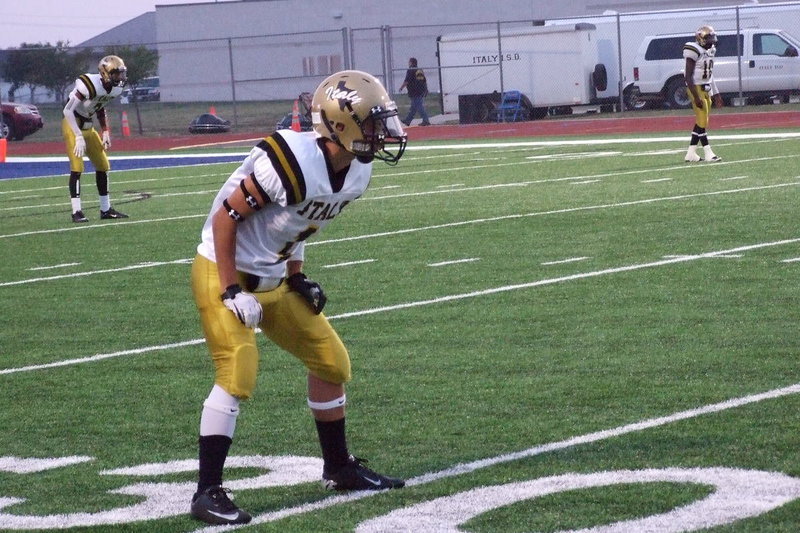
536	128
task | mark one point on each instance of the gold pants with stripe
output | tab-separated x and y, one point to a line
701	115
288	321
94	149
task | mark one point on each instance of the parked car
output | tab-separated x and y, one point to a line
770	66
303	112
208	123
19	121
147	90
286	123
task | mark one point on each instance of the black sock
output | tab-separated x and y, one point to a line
102	182
333	442
213	452
701	134
74	184
697	133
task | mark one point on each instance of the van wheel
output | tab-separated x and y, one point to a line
676	95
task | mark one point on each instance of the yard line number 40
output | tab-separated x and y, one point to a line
736	494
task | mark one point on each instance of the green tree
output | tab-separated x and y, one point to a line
22	67
63	66
142	62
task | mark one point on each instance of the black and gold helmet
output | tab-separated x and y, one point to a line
705	36
113	71
353	109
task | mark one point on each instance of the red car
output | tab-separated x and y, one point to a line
19	121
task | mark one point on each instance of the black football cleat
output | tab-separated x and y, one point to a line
355	476
78	216
112	213
213	506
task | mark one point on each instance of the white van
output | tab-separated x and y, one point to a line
770	66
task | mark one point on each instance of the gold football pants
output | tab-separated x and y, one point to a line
287	320
701	115
94	149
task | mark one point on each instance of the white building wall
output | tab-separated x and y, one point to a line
279	48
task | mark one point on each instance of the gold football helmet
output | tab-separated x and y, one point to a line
354	110
705	36
113	71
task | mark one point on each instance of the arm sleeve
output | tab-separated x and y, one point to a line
69	111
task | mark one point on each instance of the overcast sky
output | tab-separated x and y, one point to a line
75	21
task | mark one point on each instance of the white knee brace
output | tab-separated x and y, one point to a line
219	413
326	406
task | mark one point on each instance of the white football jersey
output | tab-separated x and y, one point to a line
704	61
304	195
95	96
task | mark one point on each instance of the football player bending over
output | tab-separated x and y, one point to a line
248	274
92	93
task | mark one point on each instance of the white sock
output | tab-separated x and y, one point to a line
692	150
707	150
105	203
219	413
76	204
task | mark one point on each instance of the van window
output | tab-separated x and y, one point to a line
726	45
666	48
672	47
769	44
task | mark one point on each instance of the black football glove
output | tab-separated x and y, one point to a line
308	289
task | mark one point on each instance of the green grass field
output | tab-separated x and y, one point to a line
546	335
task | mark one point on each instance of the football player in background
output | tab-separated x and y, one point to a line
700	85
248	273
88	99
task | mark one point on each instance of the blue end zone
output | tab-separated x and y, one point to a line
33	167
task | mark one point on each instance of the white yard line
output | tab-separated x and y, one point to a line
423	193
387	233
562	261
433	301
349	263
149	264
62	265
466	468
117	183
454	262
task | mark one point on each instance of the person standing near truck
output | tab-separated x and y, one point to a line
700	85
417	86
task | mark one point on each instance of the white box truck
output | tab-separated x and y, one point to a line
552	66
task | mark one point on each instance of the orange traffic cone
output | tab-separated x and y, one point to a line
212	110
3	148
295	117
126	128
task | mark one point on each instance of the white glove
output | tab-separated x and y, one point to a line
106	139
80	146
244	305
